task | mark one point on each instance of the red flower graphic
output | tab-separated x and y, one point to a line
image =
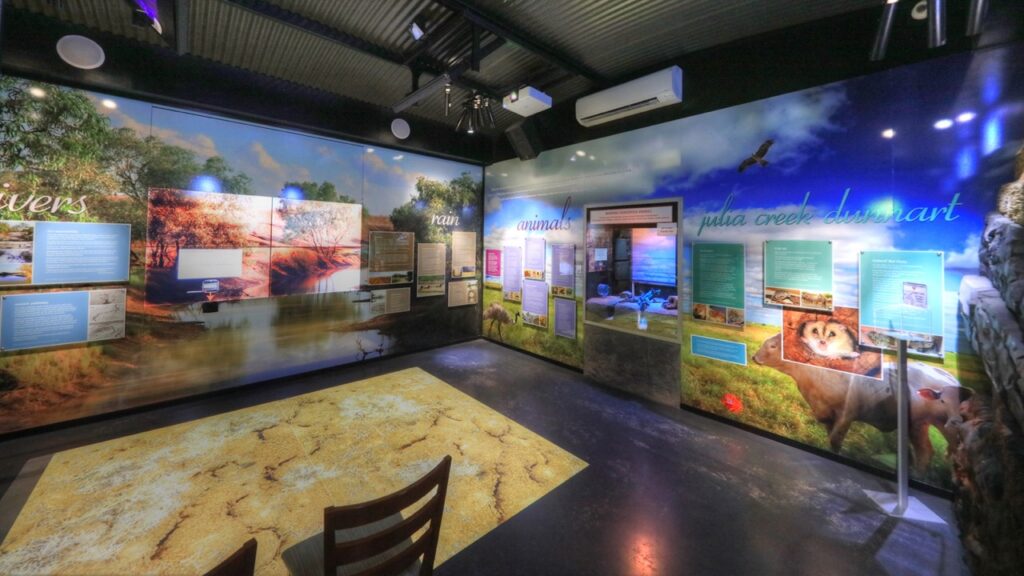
732	403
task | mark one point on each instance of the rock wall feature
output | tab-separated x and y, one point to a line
1002	259
1011	201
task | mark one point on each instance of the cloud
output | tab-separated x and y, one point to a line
966	259
201	145
686	150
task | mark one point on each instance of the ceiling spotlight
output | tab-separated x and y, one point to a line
476	114
965	117
37	92
888	133
943	124
447	98
881	43
80	52
581	153
418	28
109	104
936	23
976	16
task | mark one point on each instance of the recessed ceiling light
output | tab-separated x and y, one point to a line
965	117
888	133
109	104
80	52
37	92
581	153
943	124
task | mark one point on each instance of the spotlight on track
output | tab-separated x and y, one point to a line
976	16
936	23
881	44
145	13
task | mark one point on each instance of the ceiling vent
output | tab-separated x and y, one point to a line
655	90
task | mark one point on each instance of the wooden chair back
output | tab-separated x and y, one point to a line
338	554
241	563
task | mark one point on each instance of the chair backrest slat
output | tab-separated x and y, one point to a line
385	540
377	544
374	510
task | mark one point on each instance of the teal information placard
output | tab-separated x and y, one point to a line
901	298
798	273
724	350
717	272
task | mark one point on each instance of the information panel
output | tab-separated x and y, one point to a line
462	293
798	273
563	270
492	269
535	258
463	254
40	253
391	257
55	318
535	303
565	317
901	298
718	283
512	274
430	260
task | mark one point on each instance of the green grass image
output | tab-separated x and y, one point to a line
541	341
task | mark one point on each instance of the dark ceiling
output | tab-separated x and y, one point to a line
362	52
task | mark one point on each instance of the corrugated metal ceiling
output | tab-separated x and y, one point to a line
616	38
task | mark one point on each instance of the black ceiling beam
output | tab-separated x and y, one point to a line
274	12
503	30
438	32
181	26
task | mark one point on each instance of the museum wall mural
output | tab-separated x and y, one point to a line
150	253
819	228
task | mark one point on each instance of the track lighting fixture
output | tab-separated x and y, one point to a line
476	114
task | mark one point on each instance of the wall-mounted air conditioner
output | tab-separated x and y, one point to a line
647	93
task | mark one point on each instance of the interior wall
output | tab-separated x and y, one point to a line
831	175
182	180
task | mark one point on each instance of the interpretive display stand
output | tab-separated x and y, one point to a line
901	504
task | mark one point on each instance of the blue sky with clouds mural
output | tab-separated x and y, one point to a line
955	124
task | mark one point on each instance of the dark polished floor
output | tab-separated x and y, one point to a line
667	492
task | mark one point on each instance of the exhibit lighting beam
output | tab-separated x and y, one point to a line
422	93
976	16
936	23
881	44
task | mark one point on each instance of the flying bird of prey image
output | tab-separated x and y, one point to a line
757	157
